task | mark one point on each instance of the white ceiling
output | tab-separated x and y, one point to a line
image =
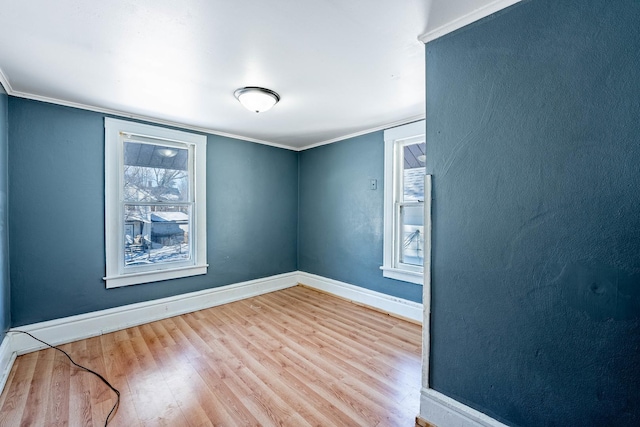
341	68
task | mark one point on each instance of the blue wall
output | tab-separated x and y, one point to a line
5	307
341	219
56	206
533	138
57	214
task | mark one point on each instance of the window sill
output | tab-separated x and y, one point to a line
403	275
154	276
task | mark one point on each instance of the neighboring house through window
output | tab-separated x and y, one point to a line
404	170
155	203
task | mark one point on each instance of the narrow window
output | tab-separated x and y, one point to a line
404	202
154	203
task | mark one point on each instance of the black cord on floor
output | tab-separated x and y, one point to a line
115	406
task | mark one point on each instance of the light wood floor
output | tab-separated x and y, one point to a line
295	357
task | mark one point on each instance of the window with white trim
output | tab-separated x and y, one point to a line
404	170
155	203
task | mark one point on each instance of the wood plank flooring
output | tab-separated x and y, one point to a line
295	357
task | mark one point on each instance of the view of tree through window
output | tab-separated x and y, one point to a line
157	208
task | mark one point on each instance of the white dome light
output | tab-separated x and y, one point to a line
257	99
167	152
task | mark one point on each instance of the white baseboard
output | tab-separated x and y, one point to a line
443	411
82	326
7	357
435	407
392	305
73	328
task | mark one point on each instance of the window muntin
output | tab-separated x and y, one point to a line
155	203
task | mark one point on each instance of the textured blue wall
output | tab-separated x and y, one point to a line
5	307
341	219
533	138
56	206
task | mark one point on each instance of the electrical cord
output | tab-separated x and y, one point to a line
115	406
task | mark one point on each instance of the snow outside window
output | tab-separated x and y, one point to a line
154	203
404	202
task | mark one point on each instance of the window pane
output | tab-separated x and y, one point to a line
156	234
155	173
413	169
412	234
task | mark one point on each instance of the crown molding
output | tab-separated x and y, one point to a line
5	82
10	91
144	118
365	131
467	19
122	114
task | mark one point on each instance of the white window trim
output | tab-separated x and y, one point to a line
115	276
392	137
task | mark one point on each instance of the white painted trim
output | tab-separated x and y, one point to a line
392	138
5	83
426	288
122	114
408	120
404	275
389	304
444	411
118	281
407	131
435	407
149	119
441	410
114	220
82	326
10	91
467	19
73	328
7	357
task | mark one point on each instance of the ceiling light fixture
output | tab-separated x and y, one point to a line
256	99
167	152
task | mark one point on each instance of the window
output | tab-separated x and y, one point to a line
404	171
155	203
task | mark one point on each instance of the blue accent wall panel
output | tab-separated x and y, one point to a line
252	209
533	139
5	307
341	218
56	205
